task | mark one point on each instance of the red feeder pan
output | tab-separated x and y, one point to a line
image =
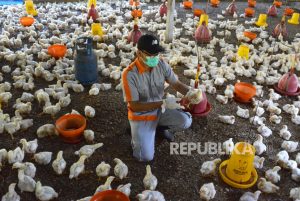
110	195
277	3
57	51
198	12
243	92
288	11
250	35
71	127
163	9
288	84
200	110
272	11
249	12
187	4
26	21
251	3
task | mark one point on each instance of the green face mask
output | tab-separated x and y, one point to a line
152	61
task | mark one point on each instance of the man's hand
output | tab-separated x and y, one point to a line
194	96
171	103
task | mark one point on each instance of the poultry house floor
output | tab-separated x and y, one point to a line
179	176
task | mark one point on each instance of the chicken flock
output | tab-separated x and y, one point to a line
27	62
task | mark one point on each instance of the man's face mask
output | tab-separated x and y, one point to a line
152	61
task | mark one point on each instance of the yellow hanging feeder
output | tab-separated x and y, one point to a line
97	29
203	18
243	52
90	2
239	171
30	8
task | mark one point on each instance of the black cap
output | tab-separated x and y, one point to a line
149	44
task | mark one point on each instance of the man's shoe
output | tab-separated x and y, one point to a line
164	132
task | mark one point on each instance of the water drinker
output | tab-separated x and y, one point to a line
93	13
97	29
243	52
57	51
187	4
244	92
288	11
134	35
231	9
202	109
288	84
110	195
26	21
163	9
238	171
250	35
70	127
249	12
262	20
202	34
295	19
280	29
272	11
251	3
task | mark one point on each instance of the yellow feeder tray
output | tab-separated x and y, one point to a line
30	8
294	19
262	20
97	29
239	171
203	18
243	51
90	2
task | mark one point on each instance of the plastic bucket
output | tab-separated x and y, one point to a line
57	51
110	195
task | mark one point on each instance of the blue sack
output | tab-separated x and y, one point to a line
10	2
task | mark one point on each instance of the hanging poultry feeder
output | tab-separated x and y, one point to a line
136	13
280	29
70	127
251	3
198	12
243	52
134	35
57	51
244	92
231	9
110	195
288	84
29	6
202	34
262	20
163	9
97	29
288	11
187	4
295	19
134	2
91	2
249	12
26	21
201	109
93	13
239	171
272	11
214	3
277	3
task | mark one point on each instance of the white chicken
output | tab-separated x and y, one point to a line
29	168
16	155
59	164
77	168
259	162
298	158
89	111
228	146
44	193
296	174
249	196
3	157
43	158
11	195
207	191
266	186
150	181
222	99
272	174
264	130
126	189
121	169
282	157
208	168
52	109
227	119
106	185
259	110
273	95
275	119
103	169
88	150
25	183
289	146
148	195
89	135
285	133
295	193
243	113
260	147
29	147
46	130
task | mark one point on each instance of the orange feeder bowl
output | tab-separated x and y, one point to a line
243	92
136	13
26	21
71	127
134	3
249	12
57	51
251	3
214	3
277	3
250	35
198	12
188	4
110	195
288	11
